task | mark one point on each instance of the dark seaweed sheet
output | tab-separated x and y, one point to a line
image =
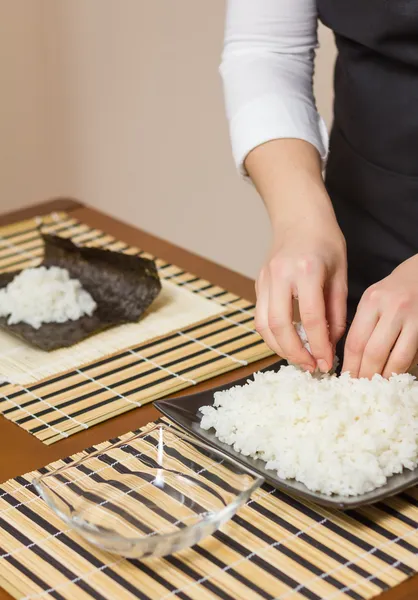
122	285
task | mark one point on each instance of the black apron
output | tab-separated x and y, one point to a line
372	172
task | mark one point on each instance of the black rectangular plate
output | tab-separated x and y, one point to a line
184	412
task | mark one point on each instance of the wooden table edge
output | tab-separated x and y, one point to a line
28	212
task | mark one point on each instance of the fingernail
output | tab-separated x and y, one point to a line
323	366
308	368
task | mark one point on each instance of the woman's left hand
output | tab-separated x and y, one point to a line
383	337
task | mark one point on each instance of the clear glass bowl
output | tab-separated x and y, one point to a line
151	494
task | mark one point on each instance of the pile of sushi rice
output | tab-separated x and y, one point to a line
44	295
336	435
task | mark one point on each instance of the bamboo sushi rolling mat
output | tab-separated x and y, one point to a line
203	331
275	548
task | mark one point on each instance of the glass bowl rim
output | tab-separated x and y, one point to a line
259	480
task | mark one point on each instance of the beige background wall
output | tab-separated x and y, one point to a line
119	104
22	117
32	155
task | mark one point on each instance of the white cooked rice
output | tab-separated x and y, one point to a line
336	435
44	295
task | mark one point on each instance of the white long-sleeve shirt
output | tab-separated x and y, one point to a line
267	70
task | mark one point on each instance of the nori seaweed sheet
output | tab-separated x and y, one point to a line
122	285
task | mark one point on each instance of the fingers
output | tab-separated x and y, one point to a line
274	311
403	354
280	320
336	295
313	314
274	320
383	337
360	331
262	314
379	346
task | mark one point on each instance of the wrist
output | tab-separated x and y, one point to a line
305	206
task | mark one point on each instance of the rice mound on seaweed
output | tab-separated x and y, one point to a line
44	295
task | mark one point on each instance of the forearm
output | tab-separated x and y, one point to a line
288	175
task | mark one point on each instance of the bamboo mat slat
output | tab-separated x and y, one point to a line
92	389
275	548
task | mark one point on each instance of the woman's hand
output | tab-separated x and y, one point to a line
308	262
308	257
384	335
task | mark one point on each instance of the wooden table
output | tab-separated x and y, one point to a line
21	452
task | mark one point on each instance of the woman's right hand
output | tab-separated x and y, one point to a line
307	262
308	256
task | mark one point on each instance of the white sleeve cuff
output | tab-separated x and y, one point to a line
272	117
